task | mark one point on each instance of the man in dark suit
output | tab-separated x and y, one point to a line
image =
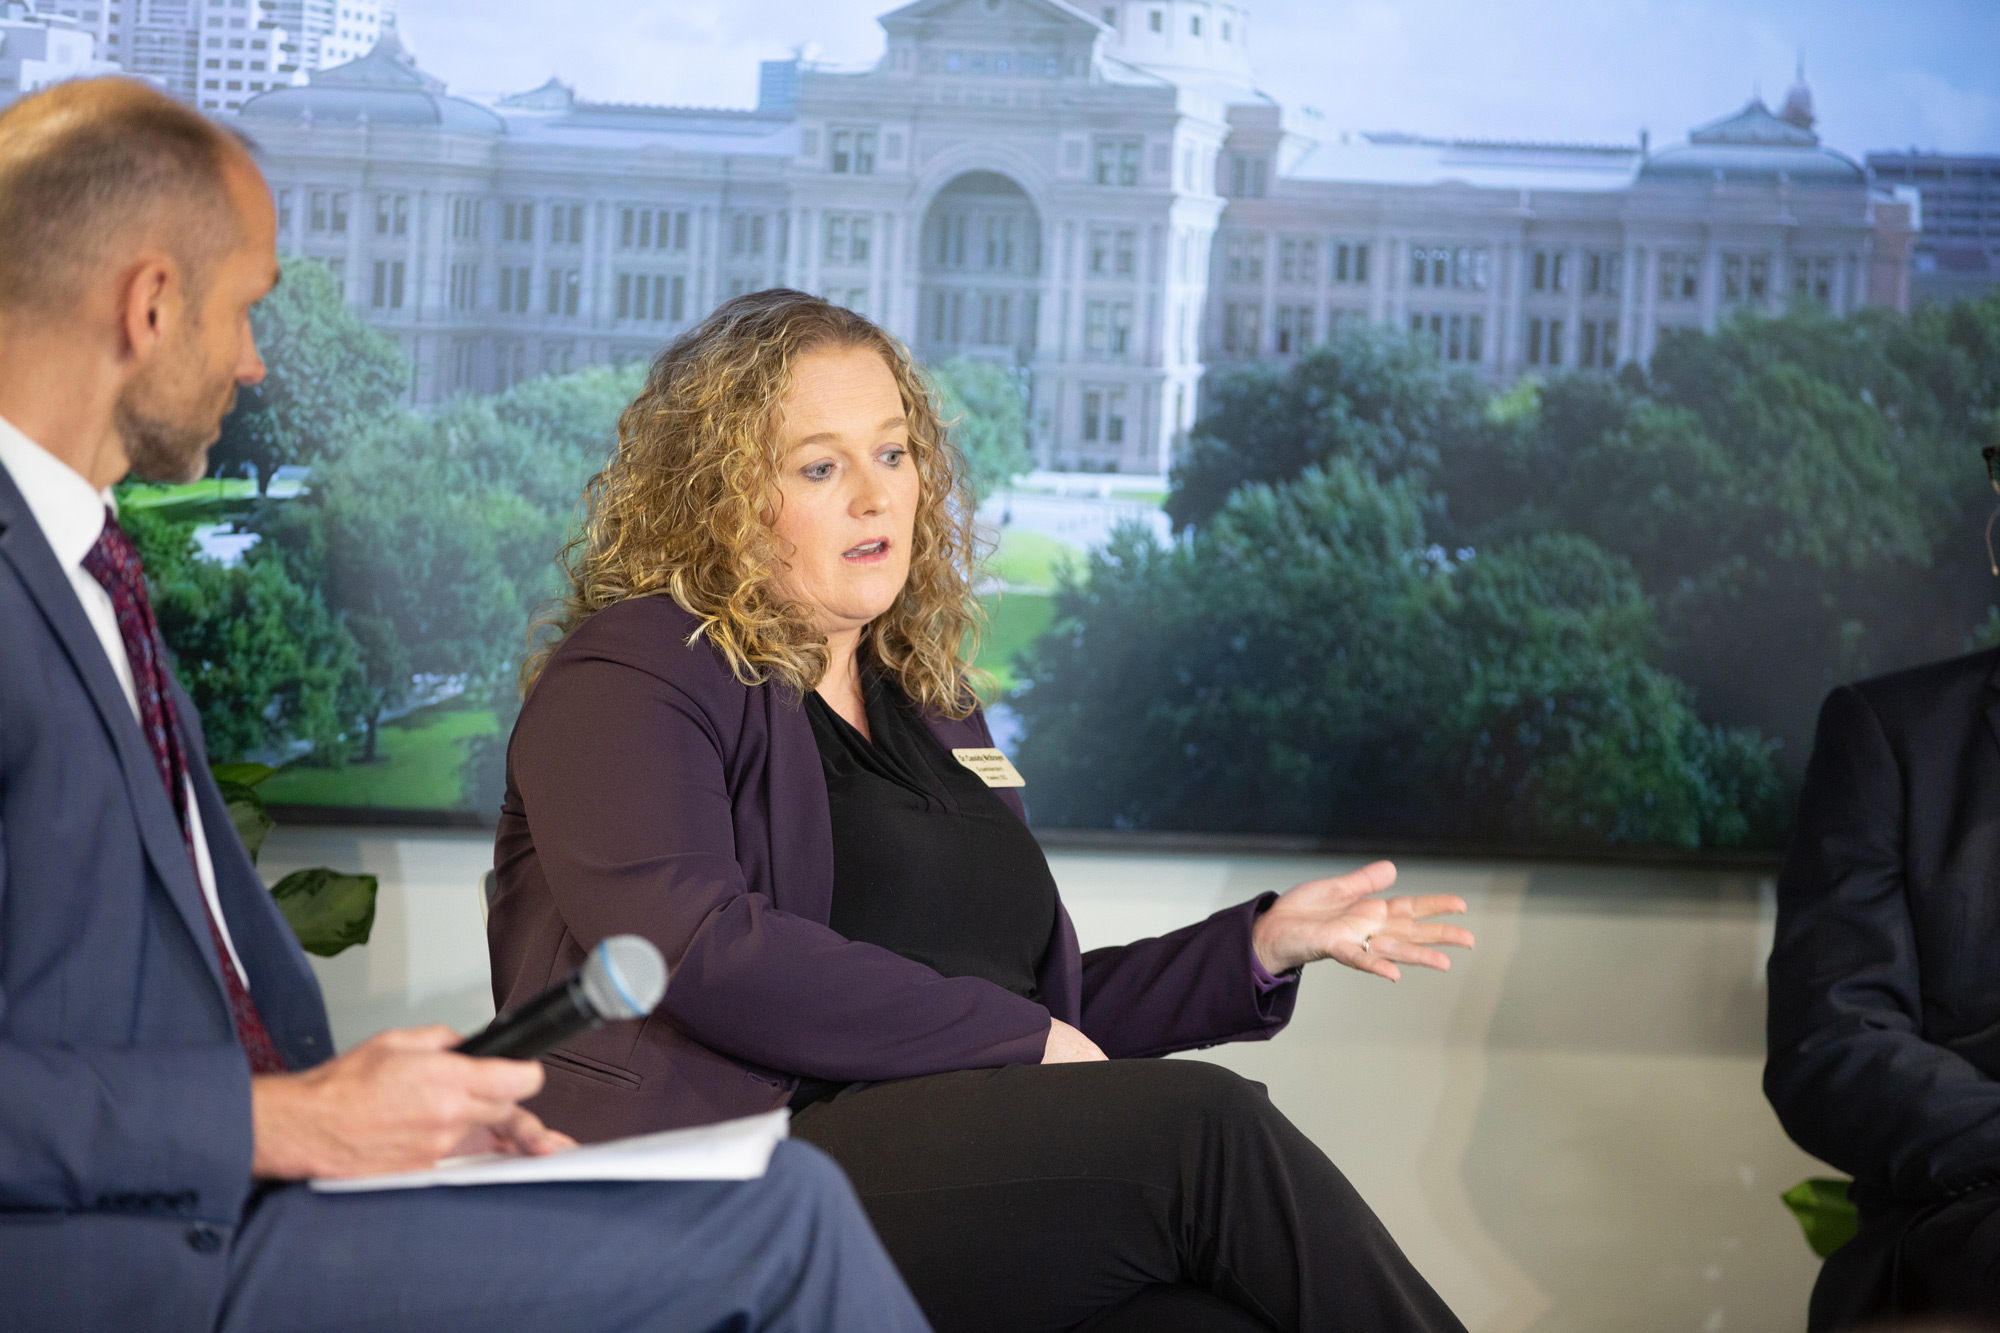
165	1061
1885	988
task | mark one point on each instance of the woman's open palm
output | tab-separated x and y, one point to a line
1340	918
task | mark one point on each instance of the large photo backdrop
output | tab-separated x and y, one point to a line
1421	489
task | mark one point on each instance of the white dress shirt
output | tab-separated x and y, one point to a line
71	517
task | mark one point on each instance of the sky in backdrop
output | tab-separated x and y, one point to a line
1923	73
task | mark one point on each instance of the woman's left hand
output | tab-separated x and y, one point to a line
1338	918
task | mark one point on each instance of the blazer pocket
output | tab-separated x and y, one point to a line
594	1070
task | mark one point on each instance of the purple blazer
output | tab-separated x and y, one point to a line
649	791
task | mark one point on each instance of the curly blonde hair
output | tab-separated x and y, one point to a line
684	510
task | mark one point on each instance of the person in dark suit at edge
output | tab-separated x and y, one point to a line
1884	1021
756	744
165	1060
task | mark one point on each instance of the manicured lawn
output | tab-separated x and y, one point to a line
1014	620
142	495
1030	560
420	759
419	765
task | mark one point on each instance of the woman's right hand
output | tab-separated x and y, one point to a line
1067	1046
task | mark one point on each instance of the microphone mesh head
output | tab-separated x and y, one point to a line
624	977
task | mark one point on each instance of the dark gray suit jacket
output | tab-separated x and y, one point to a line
124	1097
1884	1033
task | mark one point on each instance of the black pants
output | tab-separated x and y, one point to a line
1156	1194
1937	1260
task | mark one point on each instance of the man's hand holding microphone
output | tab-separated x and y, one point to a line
403	1099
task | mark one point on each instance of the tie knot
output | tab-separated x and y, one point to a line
113	560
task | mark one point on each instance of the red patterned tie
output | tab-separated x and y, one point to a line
114	563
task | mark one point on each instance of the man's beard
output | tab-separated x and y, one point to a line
167	435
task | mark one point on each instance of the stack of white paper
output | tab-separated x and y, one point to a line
731	1150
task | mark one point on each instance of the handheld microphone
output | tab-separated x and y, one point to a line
624	977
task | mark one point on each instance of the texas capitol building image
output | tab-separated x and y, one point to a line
1100	197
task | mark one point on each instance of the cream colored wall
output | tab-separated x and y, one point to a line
1566	1132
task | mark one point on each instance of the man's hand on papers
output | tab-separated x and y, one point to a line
397	1102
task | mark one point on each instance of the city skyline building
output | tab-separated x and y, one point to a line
38	49
1099	198
217	53
1957	251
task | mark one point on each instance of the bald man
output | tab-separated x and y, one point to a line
166	1069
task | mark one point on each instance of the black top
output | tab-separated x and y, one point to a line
927	861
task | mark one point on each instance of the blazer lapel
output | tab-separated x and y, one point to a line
23	547
1993	703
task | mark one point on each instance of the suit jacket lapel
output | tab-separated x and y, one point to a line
281	980
23	546
1993	703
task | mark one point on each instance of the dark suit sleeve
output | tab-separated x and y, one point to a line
1190	988
141	1128
622	777
1848	1073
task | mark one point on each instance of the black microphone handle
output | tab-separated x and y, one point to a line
548	1020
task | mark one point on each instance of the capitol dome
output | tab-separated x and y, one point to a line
384	87
1753	146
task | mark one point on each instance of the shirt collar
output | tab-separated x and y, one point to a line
69	512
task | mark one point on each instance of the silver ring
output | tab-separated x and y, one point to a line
1366	947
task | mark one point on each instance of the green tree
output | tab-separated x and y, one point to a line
988	417
572	416
260	656
433	539
326	374
1800	497
415	557
1371	394
1309	662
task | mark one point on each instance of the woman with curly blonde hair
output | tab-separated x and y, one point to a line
756	741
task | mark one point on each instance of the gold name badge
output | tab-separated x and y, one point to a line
992	767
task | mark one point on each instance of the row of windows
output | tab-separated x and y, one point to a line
652	229
1745	277
1116	161
1107	327
463	286
1104	416
1113	254
989	319
1006	243
847	238
1597	343
327	213
1291	328
652	297
638	229
1298	260
564	288
1452	337
1156	21
1018	63
1551	271
465	216
1248	175
1461	266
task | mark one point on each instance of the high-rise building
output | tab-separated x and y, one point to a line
1098	197
109	22
324	33
778	85
1958	246
162	44
242	51
38	49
